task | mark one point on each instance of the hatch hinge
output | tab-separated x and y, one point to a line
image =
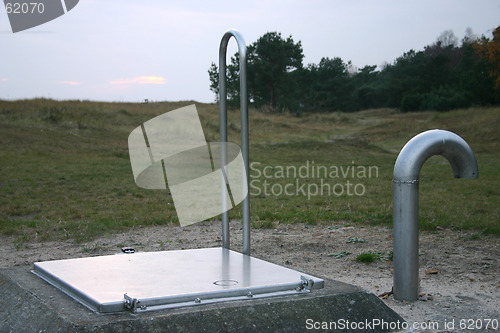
132	304
307	282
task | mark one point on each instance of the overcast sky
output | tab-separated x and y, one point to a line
129	50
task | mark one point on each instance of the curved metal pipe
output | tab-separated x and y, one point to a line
244	131
405	199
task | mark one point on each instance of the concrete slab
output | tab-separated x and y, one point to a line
29	304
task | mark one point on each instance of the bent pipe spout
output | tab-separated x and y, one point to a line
244	131
405	199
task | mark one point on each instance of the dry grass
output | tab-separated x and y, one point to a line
65	170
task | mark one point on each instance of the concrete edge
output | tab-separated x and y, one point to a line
27	303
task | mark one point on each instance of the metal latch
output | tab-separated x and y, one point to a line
132	304
307	283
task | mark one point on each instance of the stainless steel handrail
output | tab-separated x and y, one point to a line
244	133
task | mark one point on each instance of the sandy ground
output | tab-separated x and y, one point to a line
466	285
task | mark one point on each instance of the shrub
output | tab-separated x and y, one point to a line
412	102
444	99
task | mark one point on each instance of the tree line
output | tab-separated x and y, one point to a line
444	75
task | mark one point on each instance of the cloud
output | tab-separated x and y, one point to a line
141	80
71	83
2	79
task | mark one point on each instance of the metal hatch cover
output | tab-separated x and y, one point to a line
169	279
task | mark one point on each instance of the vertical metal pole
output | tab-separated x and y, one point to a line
223	136
405	251
244	132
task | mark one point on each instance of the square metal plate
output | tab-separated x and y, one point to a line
157	280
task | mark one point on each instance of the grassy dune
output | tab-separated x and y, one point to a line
65	170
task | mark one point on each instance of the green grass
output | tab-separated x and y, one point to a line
367	257
356	240
371	256
65	171
340	254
